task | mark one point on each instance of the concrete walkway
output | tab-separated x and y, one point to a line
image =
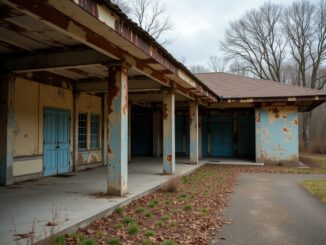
274	209
73	197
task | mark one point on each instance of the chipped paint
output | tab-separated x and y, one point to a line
277	135
118	130
193	121
168	133
246	100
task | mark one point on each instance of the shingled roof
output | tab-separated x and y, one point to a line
229	86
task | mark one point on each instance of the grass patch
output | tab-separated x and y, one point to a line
168	242
60	240
117	226
187	207
119	210
128	220
317	188
150	233
147	242
204	210
133	229
148	214
114	241
87	242
140	210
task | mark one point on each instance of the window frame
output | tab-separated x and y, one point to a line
86	131
98	133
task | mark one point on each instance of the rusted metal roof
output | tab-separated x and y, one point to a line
229	86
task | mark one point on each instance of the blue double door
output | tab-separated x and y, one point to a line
56	142
221	135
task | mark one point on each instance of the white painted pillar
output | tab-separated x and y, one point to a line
168	132
7	126
193	121
118	130
156	133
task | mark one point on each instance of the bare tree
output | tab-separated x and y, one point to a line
198	69
256	41
216	64
149	15
305	26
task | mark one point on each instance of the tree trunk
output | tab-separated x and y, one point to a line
306	116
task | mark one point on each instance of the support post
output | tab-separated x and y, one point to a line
129	132
105	129
168	133
258	133
200	143
156	133
7	126
75	129
193	121
118	130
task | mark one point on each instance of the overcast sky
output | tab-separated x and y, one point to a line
199	25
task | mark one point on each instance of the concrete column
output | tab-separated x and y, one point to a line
75	129
168	133
7	126
193	121
156	133
118	130
129	132
200	144
257	133
105	129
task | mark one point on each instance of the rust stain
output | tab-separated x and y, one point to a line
165	111
258	118
169	158
286	130
113	89
276	112
90	6
295	122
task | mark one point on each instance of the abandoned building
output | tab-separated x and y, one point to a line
82	86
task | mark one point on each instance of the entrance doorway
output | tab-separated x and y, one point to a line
56	142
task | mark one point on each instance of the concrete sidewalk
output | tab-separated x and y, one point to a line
73	198
273	209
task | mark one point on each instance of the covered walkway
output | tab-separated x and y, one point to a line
76	198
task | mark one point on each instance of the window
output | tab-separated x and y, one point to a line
95	131
82	130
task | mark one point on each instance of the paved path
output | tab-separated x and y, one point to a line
274	209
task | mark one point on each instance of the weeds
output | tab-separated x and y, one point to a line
187	207
128	220
133	229
149	233
114	241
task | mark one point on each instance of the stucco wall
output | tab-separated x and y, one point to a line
31	99
277	135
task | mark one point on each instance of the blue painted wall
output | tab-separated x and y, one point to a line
277	135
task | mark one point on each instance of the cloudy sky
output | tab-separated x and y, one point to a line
199	25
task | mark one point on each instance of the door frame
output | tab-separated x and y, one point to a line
43	116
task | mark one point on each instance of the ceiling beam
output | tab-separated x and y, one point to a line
57	60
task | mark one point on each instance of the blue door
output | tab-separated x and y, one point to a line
56	142
221	135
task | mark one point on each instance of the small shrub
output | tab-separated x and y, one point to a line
119	210
148	214
114	241
128	220
168	242
173	185
140	210
149	233
187	208
117	226
133	229
147	242
159	223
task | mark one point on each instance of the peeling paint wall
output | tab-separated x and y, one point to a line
277	135
31	99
